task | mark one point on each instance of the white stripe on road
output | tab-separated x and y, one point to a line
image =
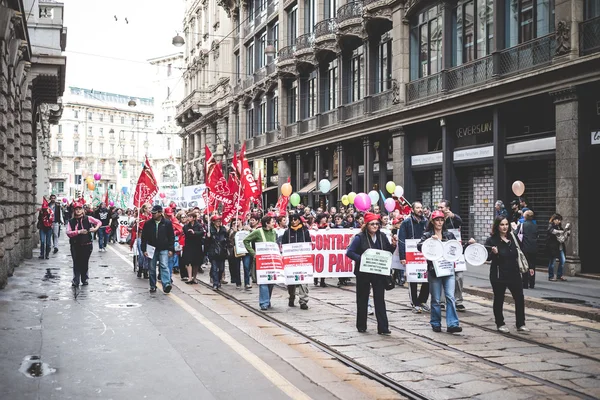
270	373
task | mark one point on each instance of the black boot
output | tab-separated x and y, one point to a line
145	274
139	273
291	302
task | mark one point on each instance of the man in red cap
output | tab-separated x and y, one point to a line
79	231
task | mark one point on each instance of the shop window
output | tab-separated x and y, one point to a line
426	43
528	19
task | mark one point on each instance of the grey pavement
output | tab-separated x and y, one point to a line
115	340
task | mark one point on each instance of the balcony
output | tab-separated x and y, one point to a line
246	83
271	69
272	137
325	36
58	154
58	175
353	110
260	140
526	56
382	101
291	130
589	36
199	99
259	75
350	22
304	48
285	60
470	74
328	118
350	11
308	125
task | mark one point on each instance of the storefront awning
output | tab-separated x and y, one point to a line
334	184
308	188
269	188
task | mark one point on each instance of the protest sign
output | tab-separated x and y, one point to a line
443	268
416	264
185	197
460	264
374	261
239	247
269	265
329	249
122	228
297	263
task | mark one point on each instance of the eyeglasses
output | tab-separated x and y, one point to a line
373	223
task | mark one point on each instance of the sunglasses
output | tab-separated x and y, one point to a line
373	223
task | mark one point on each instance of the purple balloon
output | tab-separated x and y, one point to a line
389	204
362	202
112	203
97	176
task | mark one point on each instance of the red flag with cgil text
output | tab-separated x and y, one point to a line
146	187
218	189
249	185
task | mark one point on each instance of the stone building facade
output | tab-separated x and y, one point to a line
31	83
478	92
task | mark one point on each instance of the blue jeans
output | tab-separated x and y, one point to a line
435	288
162	258
561	265
217	267
45	242
141	259
264	295
173	262
102	237
247	261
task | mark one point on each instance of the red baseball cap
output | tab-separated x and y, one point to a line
216	218
437	214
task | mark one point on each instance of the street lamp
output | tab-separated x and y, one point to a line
270	50
132	103
178	41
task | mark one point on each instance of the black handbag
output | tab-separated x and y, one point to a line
389	281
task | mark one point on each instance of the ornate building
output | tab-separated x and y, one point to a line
450	99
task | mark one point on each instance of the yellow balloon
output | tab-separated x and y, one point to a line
390	187
89	179
345	200
91	185
351	197
286	189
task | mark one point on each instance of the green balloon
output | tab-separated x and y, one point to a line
295	199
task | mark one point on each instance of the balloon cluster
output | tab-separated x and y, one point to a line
91	181
364	201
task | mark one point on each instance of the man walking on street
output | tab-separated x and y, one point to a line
58	221
158	235
297	233
103	214
453	223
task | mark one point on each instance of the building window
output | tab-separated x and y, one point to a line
426	43
332	86
101	132
102	148
90	131
237	67
122	120
262	44
59	145
330	8
132	121
75	128
357	72
275	37
112	168
237	127
262	116
76	147
59	167
310	16
473	30
112	148
528	19
76	165
90	147
309	93
250	122
168	144
592	9
292	25
90	116
274	111
75	114
250	59
112	119
59	128
169	69
292	102
384	65
101	117
58	187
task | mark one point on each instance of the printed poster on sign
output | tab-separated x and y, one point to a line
329	248
460	265
297	263
269	266
443	268
122	229
416	264
239	248
375	261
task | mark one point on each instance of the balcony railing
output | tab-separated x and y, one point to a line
328	118
286	53
246	83
305	41
271	137
367	2
350	11
424	88
250	144
308	125
532	54
382	101
470	74
196	97
589	36
259	75
354	110
260	141
291	130
271	68
326	27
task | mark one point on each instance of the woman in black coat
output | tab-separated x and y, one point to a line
528	234
370	237
555	246
505	273
193	256
216	249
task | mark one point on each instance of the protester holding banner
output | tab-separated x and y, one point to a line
136	239
216	249
453	223
233	260
265	233
193	255
412	228
436	230
297	233
158	244
321	223
369	238
505	273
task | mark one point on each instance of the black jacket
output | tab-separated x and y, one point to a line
163	240
296	236
427	235
216	244
530	237
453	223
361	243
553	246
505	265
58	216
410	228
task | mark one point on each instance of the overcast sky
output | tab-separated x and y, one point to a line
99	48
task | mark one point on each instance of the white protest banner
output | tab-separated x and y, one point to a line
374	261
460	264
239	248
185	197
297	263
416	263
122	228
443	268
329	249
269	265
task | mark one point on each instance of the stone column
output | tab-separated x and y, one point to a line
367	164
318	173
401	59
383	155
299	172
499	154
203	143
449	181
342	161
567	170
197	145
283	171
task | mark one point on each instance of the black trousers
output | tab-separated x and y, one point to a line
81	257
363	288
516	289
234	270
423	295
529	276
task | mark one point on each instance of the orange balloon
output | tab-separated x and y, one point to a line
91	185
286	189
518	188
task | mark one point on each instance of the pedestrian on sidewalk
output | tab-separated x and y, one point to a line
413	227
505	273
57	222
103	214
193	255
44	225
321	223
436	229
234	260
555	246
265	233
79	231
159	234
452	223
370	237
527	232
137	227
297	233
216	249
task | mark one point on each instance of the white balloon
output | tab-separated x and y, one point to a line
324	186
374	196
399	192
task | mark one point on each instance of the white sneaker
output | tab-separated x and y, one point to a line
371	310
425	307
503	329
416	309
523	329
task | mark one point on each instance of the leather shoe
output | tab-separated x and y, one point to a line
291	303
304	306
436	328
454	329
386	333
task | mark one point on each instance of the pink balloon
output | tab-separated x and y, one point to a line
389	204
362	202
97	176
112	203
162	195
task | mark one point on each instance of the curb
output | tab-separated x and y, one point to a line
595	277
541	304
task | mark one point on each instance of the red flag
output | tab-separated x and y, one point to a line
146	187
282	204
249	186
260	190
232	209
106	198
218	188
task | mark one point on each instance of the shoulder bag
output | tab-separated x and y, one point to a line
523	264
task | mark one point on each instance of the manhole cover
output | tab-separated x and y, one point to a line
567	300
124	305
